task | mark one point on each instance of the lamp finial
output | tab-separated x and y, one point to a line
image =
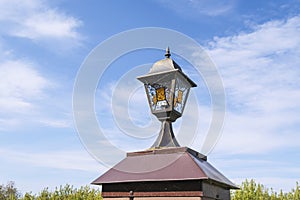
168	54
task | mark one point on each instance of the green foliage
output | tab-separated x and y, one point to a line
66	192
9	192
250	190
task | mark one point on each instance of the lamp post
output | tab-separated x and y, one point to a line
153	173
167	89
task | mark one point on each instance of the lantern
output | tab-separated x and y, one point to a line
167	89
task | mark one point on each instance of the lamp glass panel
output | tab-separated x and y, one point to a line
159	95
180	96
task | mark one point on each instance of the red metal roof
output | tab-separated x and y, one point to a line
163	165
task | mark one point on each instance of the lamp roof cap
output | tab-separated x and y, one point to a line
166	64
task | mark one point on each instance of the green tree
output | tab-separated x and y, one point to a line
297	192
249	190
9	192
67	192
28	196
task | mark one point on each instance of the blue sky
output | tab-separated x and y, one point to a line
255	46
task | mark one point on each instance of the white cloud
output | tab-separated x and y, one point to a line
24	96
70	160
270	172
19	83
24	89
260	70
58	123
256	134
34	19
49	24
27	166
195	8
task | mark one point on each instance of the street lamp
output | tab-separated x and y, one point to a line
167	89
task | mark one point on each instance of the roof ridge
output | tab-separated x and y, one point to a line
190	155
